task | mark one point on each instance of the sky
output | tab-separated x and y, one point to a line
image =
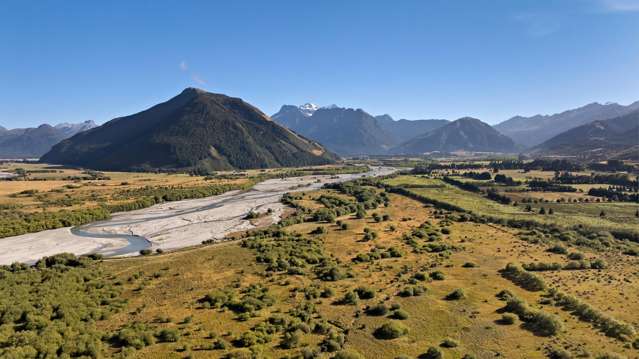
72	61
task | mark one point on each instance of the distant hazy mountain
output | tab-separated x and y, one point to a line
195	130
345	131
351	132
468	134
531	131
613	138
34	142
404	130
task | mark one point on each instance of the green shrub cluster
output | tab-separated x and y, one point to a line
522	278
376	254
390	330
608	325
50	309
292	253
536	321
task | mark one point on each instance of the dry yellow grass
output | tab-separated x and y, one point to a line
472	322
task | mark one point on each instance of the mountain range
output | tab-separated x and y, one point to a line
532	131
602	139
19	143
195	130
348	131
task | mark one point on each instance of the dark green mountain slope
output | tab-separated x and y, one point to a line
465	134
194	130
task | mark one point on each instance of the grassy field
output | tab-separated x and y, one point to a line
164	293
618	215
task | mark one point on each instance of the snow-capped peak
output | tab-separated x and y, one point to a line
308	108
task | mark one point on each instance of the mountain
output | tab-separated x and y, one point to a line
195	130
531	131
603	139
467	134
404	130
349	131
34	142
345	131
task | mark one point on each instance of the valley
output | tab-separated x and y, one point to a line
363	265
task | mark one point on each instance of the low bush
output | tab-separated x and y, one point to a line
432	353
456	294
391	330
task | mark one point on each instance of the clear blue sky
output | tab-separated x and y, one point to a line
492	59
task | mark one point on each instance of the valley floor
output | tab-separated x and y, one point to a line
167	226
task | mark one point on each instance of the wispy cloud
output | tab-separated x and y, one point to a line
538	24
620	5
198	79
195	77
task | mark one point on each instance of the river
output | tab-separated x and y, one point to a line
170	225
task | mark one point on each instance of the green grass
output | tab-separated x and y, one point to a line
618	215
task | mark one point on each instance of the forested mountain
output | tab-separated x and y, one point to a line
466	134
531	131
613	138
34	142
195	130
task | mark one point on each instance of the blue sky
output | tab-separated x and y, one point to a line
492	59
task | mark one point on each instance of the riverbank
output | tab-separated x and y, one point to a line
170	225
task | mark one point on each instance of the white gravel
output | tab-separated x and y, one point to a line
169	225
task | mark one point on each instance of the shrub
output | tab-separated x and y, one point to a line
365	293
558	249
522	278
412	291
437	275
327	292
350	298
543	324
469	265
391	330
377	310
145	252
456	294
507	319
168	335
432	353
399	314
290	340
420	276
448	343
576	256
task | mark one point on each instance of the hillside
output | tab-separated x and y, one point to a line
34	142
465	134
531	131
195	130
617	137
